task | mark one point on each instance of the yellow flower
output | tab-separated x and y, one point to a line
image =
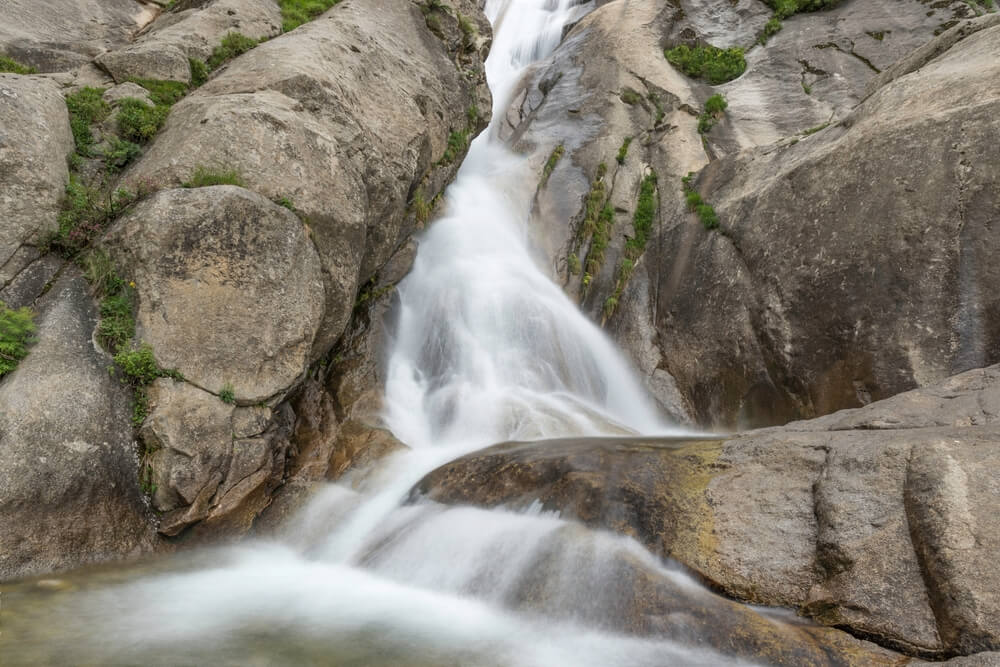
131	283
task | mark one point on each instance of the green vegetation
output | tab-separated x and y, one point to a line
785	8
623	151
457	143
199	72
629	96
233	44
119	153
473	115
658	105
715	106
696	205
642	227
138	121
17	330
117	325
550	164
11	66
86	214
162	92
469	32
86	106
206	176
227	394
708	62
814	130
296	12
286	202
421	207
574	264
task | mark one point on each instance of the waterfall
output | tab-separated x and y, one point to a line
487	349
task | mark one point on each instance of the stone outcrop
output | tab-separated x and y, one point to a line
35	140
879	520
69	483
163	49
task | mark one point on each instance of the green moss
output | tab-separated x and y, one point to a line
233	44
17	331
708	62
86	107
623	151
551	163
11	66
138	121
629	96
296	12
814	130
458	141
206	176
162	92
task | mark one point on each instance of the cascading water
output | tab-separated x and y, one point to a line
488	349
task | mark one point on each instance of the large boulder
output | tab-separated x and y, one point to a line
229	285
60	35
35	140
348	118
69	475
837	278
163	50
880	520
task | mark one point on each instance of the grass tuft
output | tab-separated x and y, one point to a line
138	121
17	332
550	164
204	177
623	151
10	66
296	12
233	44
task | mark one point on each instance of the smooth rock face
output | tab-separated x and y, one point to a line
229	284
900	259
60	35
162	52
880	520
35	140
69	479
345	116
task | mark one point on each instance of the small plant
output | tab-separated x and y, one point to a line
139	365
227	394
469	32
814	130
695	204
658	105
708	62
550	164
117	326
17	330
574	264
205	177
162	92
806	88
706	214
100	273
86	107
286	202
473	115
629	96
714	107
296	12
785	8
433	22
771	28
119	153
11	66
457	143
623	151
199	72
86	214
609	306
138	121
421	208
233	44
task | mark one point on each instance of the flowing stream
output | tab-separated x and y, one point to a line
487	349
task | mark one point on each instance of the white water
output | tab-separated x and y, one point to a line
488	349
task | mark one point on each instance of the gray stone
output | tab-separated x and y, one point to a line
35	140
69	477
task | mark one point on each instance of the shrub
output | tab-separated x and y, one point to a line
119	153
162	92
623	151
17	329
86	214
714	106
86	107
707	216
227	394
296	12
205	176
199	72
139	122
233	44
708	62
138	365
11	66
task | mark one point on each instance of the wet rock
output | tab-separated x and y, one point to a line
883	531
229	285
347	117
35	140
69	479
